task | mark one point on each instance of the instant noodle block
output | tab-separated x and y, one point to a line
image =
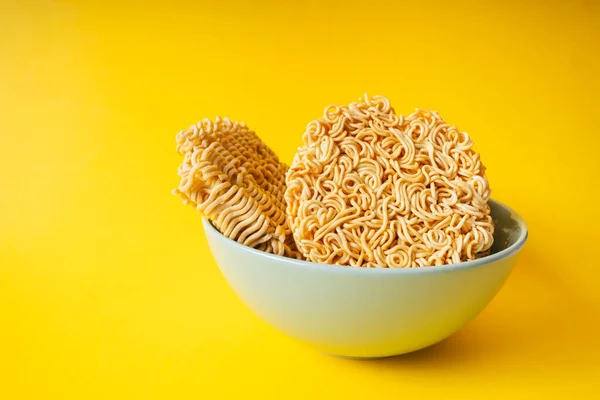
371	188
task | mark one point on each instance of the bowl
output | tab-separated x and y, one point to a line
368	313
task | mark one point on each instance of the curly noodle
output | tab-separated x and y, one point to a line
234	179
372	188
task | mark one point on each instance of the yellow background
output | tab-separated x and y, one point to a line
107	288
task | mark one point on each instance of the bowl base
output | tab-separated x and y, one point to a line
356	358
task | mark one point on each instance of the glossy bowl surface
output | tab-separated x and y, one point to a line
366	313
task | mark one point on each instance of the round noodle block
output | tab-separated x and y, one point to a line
372	188
237	182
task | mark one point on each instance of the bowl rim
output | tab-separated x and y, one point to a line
331	268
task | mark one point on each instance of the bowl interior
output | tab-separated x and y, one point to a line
510	228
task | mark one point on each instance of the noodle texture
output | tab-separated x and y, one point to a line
372	188
237	182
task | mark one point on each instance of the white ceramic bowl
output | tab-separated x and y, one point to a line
368	313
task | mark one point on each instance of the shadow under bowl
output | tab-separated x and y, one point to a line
368	313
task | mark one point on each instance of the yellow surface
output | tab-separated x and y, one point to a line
107	288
